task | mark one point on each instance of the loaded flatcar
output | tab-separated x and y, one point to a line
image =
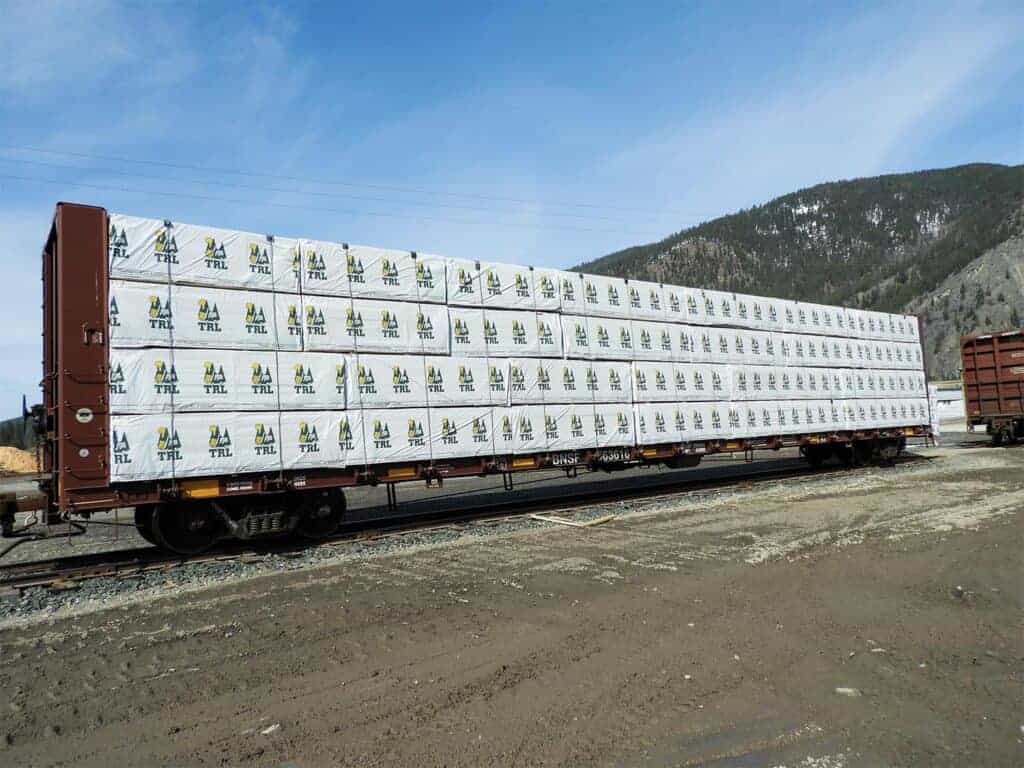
232	384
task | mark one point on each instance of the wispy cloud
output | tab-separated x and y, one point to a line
857	115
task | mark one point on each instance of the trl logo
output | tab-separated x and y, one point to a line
522	286
215	257
255	319
264	443
400	380
353	323
354	268
506	429
165	249
115	380
259	259
543	378
592	381
214	380
550	427
589	292
388	324
613	296
449	431
303	380
435	380
569	379
114	314
479	430
165	379
168	445
490	332
625	339
317	326
464	281
365	381
634	298
466	383
121	450
219	443
159	313
517	378
345	436
262	380
493	284
294	326
208	316
576	426
316	268
568	291
547	288
496	379
340	371
381	435
415	433
424	276
424	327
309	440
117	243
389	272
460	331
544	335
518	332
525	429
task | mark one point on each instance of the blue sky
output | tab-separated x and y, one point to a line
537	133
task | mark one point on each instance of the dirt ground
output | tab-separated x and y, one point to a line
868	619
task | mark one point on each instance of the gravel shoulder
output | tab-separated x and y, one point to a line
866	619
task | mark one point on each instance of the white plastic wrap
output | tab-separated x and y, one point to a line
396	435
137	249
646	300
225	318
570	291
223	258
387	381
157	446
576	337
313	380
609	382
611	338
460	433
568	427
321	439
653	341
139	314
687	343
519	429
378	273
653	382
506	286
546	289
365	325
324	268
605	296
461	380
570	381
463	280
613	425
719	308
656	424
549	334
529	380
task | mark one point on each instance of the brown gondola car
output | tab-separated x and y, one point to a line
993	382
186	515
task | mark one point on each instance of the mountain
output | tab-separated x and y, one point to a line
886	242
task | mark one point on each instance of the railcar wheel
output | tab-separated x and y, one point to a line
144	524
186	529
321	513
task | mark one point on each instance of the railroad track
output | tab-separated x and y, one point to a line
66	572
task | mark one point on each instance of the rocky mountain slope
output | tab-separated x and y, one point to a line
886	242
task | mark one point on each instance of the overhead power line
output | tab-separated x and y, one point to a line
295	206
335	182
313	193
